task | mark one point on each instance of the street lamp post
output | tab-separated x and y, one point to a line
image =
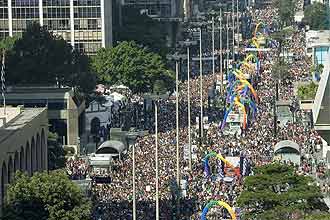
189	43
237	23
201	83
213	49
221	73
227	49
233	20
134	194
156	157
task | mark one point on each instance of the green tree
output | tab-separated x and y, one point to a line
132	66
39	57
315	16
56	154
276	192
280	70
307	91
142	29
45	196
286	11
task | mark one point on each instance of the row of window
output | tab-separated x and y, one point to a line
87	24
88	36
61	24
24	3
28	3
56	12
54	24
87	48
19	25
4	25
83	12
24	13
4	13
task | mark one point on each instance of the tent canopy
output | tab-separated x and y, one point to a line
111	147
287	146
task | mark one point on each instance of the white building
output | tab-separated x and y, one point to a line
85	24
318	43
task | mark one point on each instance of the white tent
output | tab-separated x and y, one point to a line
117	96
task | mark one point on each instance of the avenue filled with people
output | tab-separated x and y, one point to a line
256	143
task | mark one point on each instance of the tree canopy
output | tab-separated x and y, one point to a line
286	11
56	154
39	57
280	70
142	29
307	91
45	196
315	16
133	66
276	192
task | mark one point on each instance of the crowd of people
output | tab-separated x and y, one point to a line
114	200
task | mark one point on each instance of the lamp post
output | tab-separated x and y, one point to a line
156	157
177	58
227	37
237	23
189	43
134	194
220	39
213	49
201	83
233	20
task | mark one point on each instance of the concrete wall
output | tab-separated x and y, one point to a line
23	147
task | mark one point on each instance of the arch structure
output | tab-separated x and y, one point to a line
23	144
213	203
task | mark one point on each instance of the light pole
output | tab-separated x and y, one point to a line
177	58
189	43
233	20
221	73
156	157
134	194
237	23
213	49
227	49
201	82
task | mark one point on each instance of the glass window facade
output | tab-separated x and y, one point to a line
154	7
24	13
56	14
321	54
87	25
4	24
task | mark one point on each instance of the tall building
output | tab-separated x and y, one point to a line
157	8
85	24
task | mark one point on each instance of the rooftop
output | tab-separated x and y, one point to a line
18	120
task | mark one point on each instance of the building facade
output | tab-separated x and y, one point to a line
157	8
23	143
85	24
66	110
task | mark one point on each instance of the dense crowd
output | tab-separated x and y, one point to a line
114	201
